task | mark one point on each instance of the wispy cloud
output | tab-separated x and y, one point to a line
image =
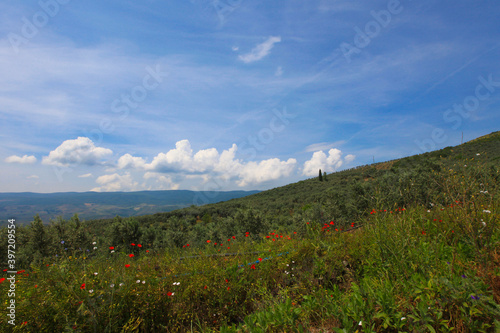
260	51
87	175
22	160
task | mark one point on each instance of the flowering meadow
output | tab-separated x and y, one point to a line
430	266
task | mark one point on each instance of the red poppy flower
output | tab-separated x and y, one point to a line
169	293
268	236
295	232
2	280
82	286
187	244
147	251
111	247
247	235
20	272
253	266
131	255
227	280
205	287
423	232
127	265
208	241
234	237
139	245
332	223
133	244
260	259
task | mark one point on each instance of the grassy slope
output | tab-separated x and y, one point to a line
410	269
295	196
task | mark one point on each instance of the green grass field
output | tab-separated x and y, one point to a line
399	269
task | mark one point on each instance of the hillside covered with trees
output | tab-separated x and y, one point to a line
405	245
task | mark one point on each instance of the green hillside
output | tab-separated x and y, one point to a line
410	245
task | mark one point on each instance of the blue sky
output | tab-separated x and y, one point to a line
236	94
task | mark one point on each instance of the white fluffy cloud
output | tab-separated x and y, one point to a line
328	163
23	160
116	182
261	50
128	161
177	159
271	169
78	151
349	158
208	161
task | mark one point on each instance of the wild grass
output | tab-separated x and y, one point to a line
433	267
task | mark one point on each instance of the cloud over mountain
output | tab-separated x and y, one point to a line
78	151
183	160
327	163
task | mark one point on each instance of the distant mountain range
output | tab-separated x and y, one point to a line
95	205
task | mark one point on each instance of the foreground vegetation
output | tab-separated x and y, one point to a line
413	248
